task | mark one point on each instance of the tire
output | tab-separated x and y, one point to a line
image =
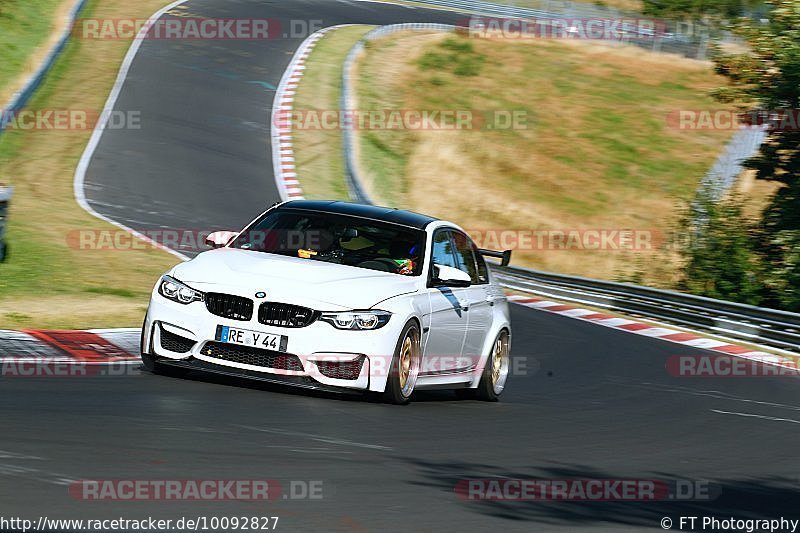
405	366
3	251
149	363
494	375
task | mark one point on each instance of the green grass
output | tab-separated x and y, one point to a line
46	282
24	25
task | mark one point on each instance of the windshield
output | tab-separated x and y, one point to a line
339	239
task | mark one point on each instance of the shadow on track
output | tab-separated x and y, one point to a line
754	498
345	396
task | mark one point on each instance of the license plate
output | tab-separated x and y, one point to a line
256	339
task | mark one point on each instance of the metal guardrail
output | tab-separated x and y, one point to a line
355	183
19	99
674	39
768	327
544	9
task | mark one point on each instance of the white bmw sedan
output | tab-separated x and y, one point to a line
336	296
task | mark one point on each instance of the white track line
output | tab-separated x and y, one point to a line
97	134
751	415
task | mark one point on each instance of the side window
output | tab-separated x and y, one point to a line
465	255
442	252
483	270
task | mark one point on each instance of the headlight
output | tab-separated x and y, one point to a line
358	320
174	290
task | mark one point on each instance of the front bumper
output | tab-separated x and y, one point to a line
314	350
303	382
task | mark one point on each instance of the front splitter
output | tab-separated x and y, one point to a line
302	382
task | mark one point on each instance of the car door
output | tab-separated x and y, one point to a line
476	296
448	326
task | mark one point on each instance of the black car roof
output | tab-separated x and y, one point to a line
386	214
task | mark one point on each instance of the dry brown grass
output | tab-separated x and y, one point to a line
755	193
599	154
46	282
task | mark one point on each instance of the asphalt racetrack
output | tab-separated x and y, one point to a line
585	401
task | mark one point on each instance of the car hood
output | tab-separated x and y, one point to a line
292	279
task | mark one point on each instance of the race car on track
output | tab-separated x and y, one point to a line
334	295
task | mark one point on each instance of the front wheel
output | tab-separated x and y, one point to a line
149	362
405	366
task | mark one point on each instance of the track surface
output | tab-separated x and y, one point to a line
202	158
594	403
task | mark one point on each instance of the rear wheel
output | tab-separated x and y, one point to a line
405	366
495	373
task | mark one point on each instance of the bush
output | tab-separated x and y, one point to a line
720	257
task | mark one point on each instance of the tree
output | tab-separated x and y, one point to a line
766	79
694	9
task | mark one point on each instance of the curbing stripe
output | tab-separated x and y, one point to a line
281	128
654	332
95	347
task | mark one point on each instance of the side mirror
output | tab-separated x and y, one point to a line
450	277
218	239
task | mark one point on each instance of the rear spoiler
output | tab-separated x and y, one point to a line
505	256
